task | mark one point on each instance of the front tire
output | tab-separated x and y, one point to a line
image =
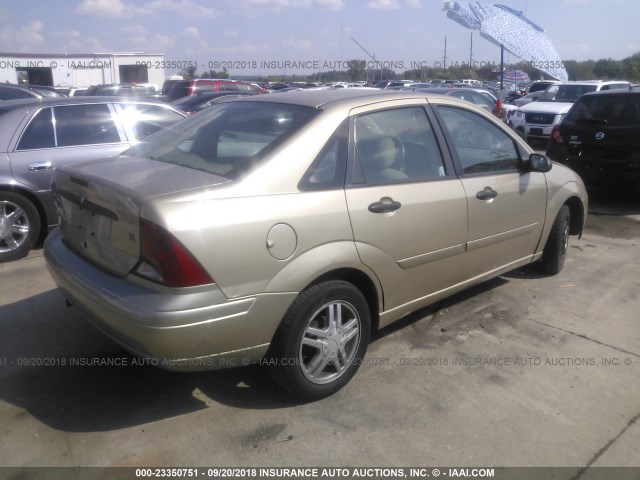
555	250
321	340
19	226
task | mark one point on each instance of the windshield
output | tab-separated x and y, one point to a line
227	140
565	93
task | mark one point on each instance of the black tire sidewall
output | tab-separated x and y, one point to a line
34	226
289	336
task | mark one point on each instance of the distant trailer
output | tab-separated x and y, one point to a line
81	70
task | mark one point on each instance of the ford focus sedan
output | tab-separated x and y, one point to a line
283	229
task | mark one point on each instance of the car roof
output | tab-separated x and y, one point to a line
619	91
19	87
52	101
592	82
342	97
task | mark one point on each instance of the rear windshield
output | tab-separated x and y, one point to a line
228	140
613	110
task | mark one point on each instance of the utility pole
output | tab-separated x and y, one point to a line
372	57
471	51
445	53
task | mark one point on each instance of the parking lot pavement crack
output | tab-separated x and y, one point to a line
580	335
606	447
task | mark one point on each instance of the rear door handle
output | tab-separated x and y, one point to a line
39	166
487	194
384	206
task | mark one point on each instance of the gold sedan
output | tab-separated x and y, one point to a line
282	229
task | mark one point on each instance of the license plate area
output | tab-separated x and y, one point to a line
86	230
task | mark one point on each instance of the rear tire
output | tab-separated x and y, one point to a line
321	340
555	250
19	226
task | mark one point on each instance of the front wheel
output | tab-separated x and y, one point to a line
19	226
555	250
321	341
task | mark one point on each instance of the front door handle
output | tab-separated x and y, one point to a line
487	194
384	206
39	166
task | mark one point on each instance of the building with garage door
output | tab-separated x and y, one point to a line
81	70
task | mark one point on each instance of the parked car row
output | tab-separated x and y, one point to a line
593	127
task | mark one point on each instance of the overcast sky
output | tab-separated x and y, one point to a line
247	33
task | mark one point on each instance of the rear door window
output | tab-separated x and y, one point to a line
145	120
227	87
397	145
85	125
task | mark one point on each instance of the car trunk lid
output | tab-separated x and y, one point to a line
99	205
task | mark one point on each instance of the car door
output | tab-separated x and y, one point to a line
506	205
61	134
408	210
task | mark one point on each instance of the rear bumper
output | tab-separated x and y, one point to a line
597	170
185	329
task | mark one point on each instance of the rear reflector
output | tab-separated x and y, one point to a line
165	260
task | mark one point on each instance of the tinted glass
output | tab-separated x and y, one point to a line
243	87
397	145
178	90
227	140
480	145
611	110
14	93
227	87
85	125
203	87
39	133
145	120
569	93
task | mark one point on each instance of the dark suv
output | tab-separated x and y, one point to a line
600	137
183	88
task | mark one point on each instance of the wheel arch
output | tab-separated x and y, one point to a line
333	261
362	282
577	215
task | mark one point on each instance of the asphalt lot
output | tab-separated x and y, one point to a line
525	370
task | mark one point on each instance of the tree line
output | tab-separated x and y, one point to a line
604	68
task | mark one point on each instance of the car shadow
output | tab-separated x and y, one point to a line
71	377
613	200
429	313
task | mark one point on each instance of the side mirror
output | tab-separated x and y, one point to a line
539	163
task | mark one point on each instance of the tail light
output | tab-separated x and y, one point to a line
165	260
555	135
